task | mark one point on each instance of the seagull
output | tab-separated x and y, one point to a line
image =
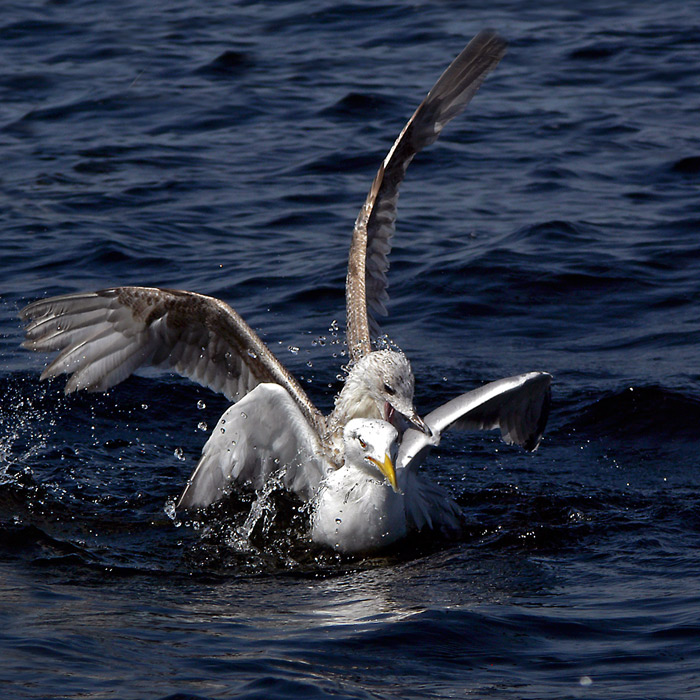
355	511
273	428
378	495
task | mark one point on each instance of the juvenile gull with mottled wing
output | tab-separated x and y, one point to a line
103	337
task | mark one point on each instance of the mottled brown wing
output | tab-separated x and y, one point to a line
103	337
366	282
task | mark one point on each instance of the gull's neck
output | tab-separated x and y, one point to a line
356	400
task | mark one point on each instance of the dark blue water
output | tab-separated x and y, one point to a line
225	148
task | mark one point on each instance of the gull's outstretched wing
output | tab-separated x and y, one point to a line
518	405
365	287
103	337
264	436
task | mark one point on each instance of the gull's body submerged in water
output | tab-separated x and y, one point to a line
359	465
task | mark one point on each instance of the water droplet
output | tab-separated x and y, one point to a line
293	349
201	405
251	354
244	415
144	406
180	454
202	426
338	520
170	510
223	431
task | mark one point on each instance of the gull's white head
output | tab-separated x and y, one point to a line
371	445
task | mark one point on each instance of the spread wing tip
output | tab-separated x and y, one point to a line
533	439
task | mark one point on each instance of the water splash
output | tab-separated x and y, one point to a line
171	512
26	426
384	342
262	509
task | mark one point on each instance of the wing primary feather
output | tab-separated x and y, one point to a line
196	335
518	406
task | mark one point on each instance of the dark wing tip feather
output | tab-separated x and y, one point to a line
532	441
456	86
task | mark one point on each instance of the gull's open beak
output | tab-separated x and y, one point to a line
387	468
418	423
409	418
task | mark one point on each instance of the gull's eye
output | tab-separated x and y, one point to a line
389	390
363	444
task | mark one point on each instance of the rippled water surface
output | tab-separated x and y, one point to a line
225	148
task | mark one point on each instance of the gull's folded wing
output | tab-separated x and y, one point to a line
518	405
264	436
366	283
103	337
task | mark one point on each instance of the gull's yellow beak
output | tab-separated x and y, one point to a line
387	468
